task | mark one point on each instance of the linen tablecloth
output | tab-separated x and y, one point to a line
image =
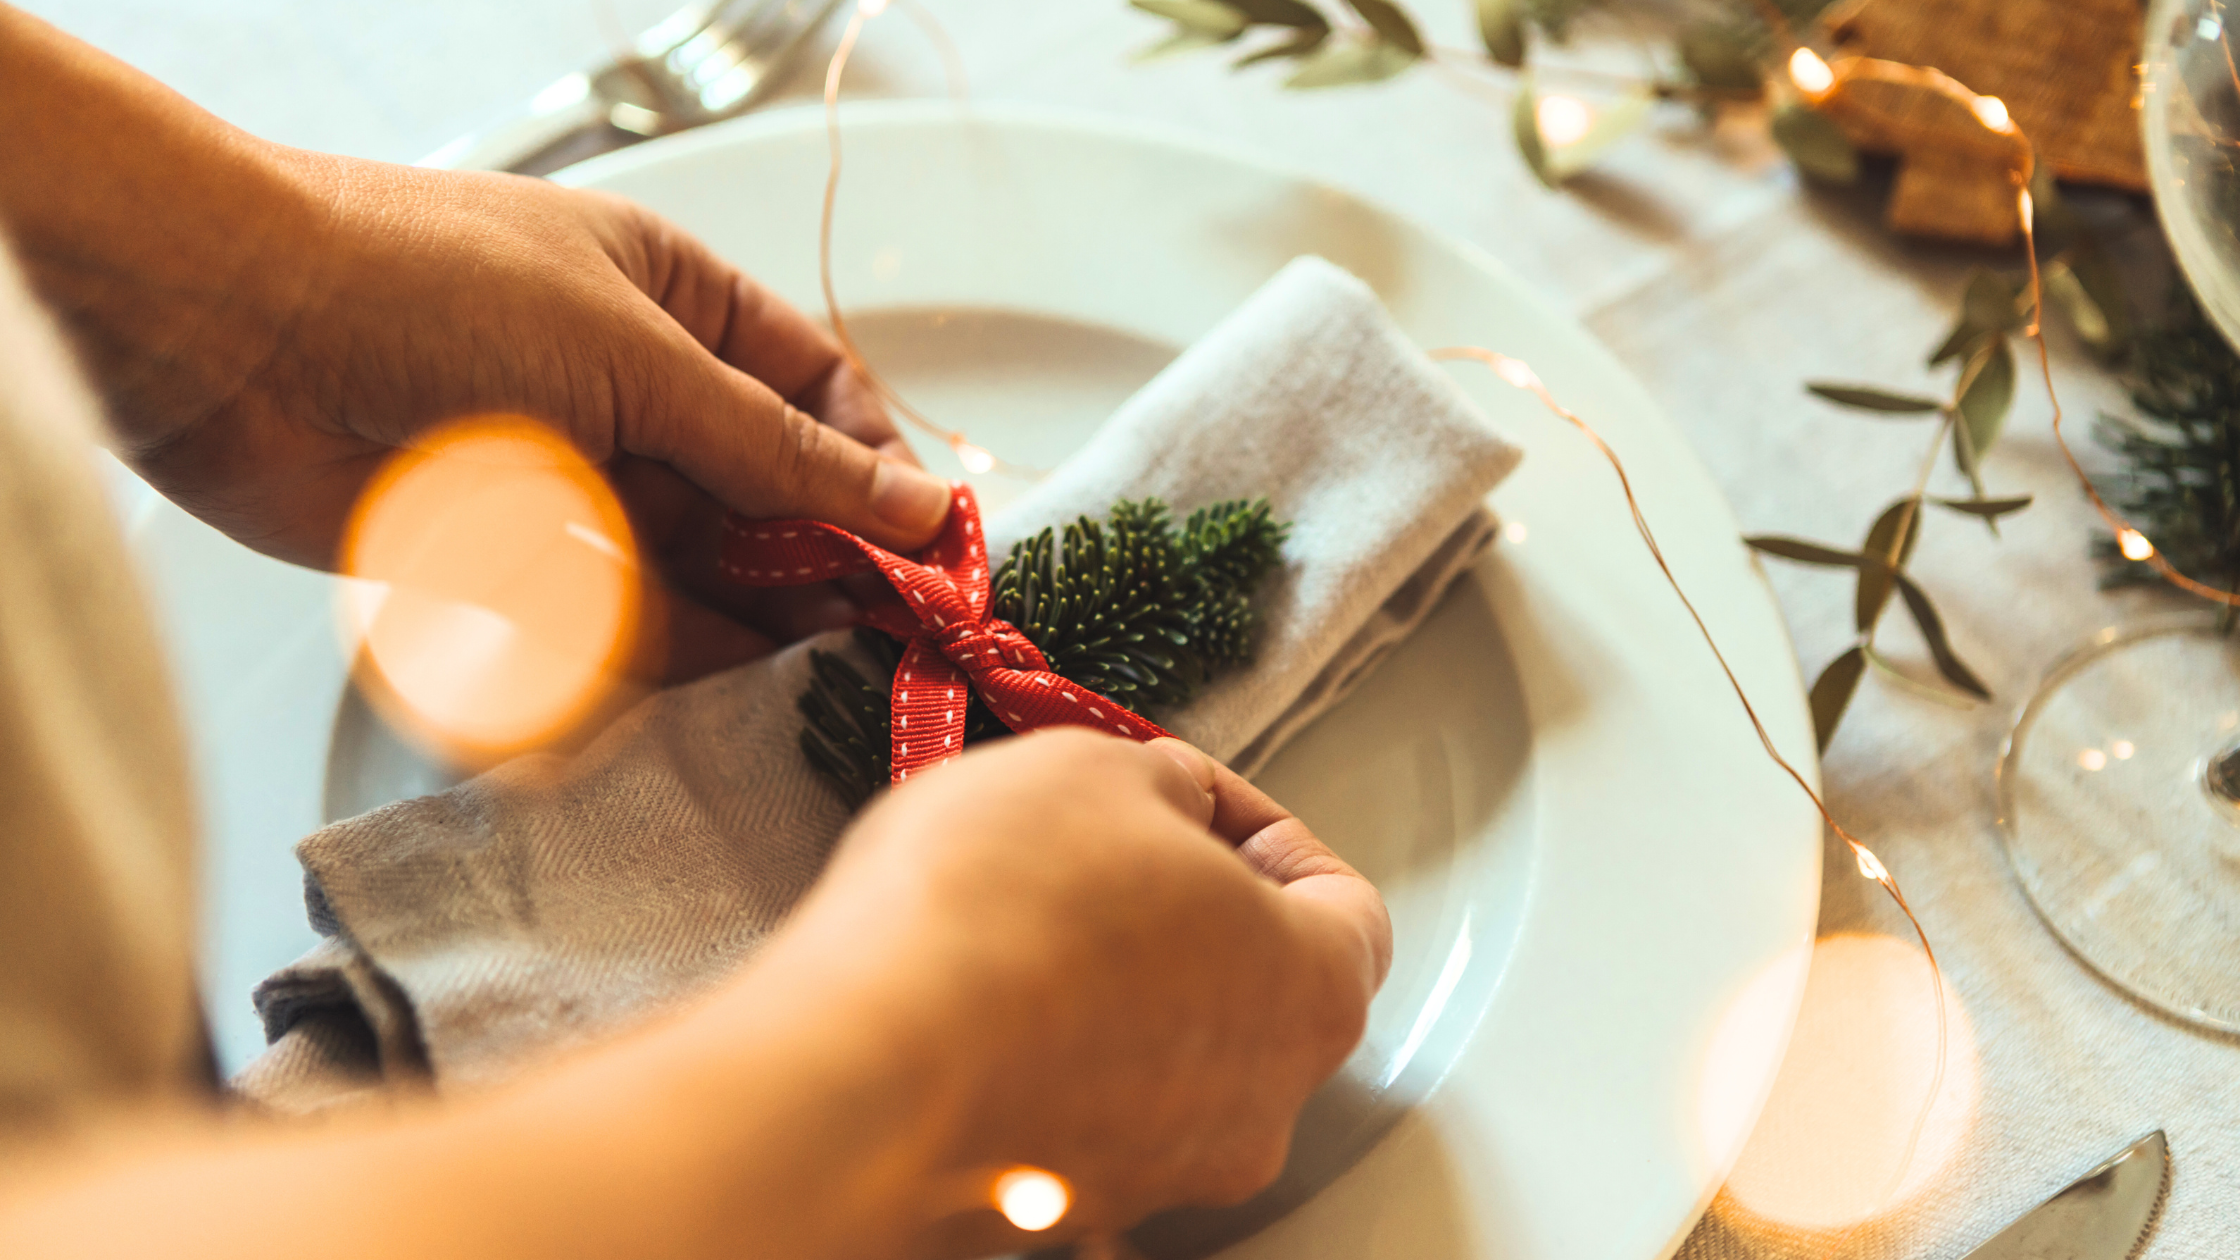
1699	260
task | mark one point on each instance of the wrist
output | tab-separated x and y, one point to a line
171	245
792	1115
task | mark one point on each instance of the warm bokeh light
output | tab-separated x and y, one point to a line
1563	120
2134	544
1991	112
497	586
974	459
1031	1198
1812	75
1743	1054
1842	1137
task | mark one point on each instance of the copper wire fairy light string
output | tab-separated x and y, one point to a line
952	61
1519	374
1992	114
1511	370
975	458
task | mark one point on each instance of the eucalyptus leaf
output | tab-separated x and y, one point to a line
1806	552
1939	691
1832	691
1181	41
1388	21
1612	123
1893	533
1815	143
1868	398
1986	391
1988	308
1964	455
1720	58
1524	119
1282	13
1959	343
2103	283
1501	26
1340	63
1297	44
1948	661
1988	509
2065	293
1211	18
1993	302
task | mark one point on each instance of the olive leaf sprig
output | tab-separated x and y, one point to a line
1993	311
1730	56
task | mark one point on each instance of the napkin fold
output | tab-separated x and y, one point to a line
551	902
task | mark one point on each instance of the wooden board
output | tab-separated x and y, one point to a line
2066	70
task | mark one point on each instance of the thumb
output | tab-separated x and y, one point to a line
761	456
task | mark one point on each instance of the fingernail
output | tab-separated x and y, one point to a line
1191	759
908	498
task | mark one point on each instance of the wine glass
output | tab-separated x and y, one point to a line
2119	799
2119	789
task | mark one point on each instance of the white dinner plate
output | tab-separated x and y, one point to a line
1603	893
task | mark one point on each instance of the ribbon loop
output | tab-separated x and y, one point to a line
954	643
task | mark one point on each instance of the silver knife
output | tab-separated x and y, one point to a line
2103	1215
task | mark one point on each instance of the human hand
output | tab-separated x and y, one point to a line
269	325
696	387
1085	976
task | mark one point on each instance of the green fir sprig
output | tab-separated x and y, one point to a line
2180	480
1132	607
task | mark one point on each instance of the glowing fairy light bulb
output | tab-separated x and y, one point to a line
1812	75
871	8
1032	1198
1992	113
1515	371
1563	120
1870	865
2133	544
974	459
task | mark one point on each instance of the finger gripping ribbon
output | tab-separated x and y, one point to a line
955	645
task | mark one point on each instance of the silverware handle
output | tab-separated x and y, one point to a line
553	115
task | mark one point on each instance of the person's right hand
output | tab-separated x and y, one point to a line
1119	962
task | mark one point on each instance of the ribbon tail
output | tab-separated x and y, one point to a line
929	703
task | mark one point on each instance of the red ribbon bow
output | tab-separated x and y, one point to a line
954	641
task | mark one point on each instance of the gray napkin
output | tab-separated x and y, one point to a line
554	901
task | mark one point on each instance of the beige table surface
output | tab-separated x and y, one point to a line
1722	285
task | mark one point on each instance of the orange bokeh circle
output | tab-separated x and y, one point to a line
498	591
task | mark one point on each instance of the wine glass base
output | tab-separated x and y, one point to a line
2119	802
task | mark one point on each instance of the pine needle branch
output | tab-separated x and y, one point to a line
1130	607
2180	482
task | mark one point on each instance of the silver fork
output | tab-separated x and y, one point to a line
700	64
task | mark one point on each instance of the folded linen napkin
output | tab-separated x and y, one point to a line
552	901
